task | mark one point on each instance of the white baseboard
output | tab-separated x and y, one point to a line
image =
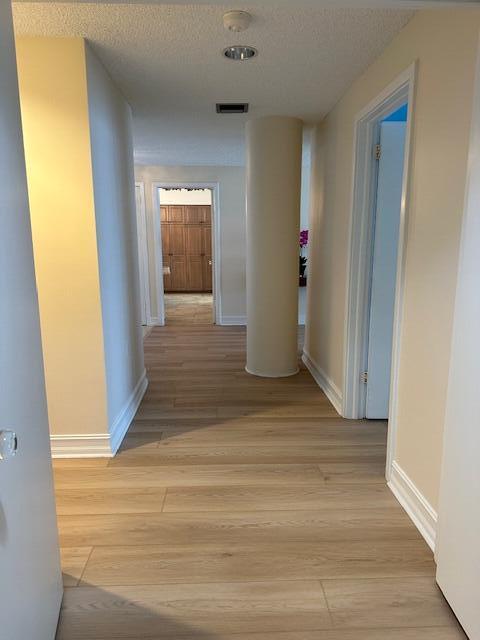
327	385
233	320
81	445
420	511
153	321
242	320
120	425
100	445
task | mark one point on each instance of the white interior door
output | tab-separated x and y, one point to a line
384	268
458	537
30	579
142	247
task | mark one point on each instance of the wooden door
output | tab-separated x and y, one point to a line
194	240
178	273
207	272
175	213
186	244
195	273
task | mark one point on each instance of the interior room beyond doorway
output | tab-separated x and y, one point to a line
186	232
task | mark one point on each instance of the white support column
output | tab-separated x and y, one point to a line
274	161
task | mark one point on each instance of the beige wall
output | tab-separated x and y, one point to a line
232	227
78	147
53	93
445	45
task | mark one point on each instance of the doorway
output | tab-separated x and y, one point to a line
376	268
186	226
389	159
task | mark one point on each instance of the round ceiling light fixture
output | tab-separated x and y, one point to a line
240	52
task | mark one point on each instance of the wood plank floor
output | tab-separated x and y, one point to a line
240	508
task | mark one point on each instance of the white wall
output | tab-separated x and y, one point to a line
445	45
114	195
231	182
30	577
183	196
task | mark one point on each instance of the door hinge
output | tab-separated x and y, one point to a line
378	151
364	377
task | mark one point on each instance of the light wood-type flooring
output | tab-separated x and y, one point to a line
240	508
188	308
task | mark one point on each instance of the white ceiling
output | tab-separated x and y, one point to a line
167	61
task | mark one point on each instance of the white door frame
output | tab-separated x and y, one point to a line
216	257
367	125
143	258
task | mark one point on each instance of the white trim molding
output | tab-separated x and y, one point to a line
121	423
333	393
146	305
81	445
420	511
401	90
216	246
100	445
367	123
233	320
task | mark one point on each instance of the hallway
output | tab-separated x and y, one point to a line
240	507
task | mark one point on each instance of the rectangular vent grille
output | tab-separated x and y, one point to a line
237	107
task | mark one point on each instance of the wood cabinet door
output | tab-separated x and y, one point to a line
187	247
178	277
175	213
207	240
197	214
207	267
194	273
167	278
176	239
194	240
166	250
163	213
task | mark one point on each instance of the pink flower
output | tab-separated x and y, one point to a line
303	238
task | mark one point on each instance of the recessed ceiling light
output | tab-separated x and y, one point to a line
239	52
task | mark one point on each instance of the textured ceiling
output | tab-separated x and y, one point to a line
167	61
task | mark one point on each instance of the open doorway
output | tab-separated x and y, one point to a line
376	272
186	215
389	158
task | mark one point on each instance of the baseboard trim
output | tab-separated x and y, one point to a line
100	445
153	321
242	320
420	511
327	385
233	320
81	445
120	426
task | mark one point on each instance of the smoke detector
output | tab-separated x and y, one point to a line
237	21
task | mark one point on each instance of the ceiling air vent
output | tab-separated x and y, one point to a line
237	107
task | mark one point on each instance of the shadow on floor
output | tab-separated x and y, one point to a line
130	613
